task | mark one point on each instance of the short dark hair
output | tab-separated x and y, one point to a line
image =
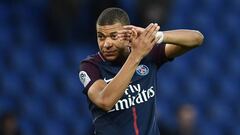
113	15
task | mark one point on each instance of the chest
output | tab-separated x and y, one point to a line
143	79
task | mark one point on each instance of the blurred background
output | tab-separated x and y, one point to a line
43	41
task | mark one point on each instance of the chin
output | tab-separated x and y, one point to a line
110	58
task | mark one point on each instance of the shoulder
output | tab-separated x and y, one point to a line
89	71
94	59
91	60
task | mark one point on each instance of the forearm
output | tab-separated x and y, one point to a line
116	88
184	38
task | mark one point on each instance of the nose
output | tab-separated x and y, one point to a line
108	43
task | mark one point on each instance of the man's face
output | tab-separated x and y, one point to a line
109	44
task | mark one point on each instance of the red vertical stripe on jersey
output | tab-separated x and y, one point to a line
135	121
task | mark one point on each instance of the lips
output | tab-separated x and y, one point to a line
109	53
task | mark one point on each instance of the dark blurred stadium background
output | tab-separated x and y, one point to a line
43	41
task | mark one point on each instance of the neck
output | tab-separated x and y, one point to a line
121	60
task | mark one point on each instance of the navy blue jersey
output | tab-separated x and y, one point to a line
134	113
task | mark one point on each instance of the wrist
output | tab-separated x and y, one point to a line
161	35
135	57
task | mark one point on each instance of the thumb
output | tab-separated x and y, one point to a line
128	27
134	34
133	37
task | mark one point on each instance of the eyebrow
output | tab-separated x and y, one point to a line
100	33
112	33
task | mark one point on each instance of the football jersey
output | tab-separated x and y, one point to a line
135	111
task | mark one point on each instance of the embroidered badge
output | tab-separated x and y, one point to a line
142	70
84	78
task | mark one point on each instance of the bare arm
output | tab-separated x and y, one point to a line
105	95
177	41
181	41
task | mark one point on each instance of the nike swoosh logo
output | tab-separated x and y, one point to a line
108	80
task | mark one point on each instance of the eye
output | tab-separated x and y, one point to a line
114	36
100	37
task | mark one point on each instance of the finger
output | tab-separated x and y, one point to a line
124	31
134	33
125	38
152	37
128	36
153	29
152	34
138	29
129	27
124	35
147	29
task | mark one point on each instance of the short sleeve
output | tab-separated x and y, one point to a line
158	55
88	74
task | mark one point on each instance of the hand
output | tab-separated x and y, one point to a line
143	44
139	30
129	32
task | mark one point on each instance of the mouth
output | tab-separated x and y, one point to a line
109	53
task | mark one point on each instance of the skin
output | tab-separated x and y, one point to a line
111	47
177	42
114	42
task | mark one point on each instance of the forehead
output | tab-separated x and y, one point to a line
109	28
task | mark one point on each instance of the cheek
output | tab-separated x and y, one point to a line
120	44
100	44
126	43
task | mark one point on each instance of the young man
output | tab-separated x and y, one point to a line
120	80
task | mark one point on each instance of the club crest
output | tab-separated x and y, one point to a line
142	70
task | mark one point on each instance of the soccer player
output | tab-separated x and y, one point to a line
120	80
